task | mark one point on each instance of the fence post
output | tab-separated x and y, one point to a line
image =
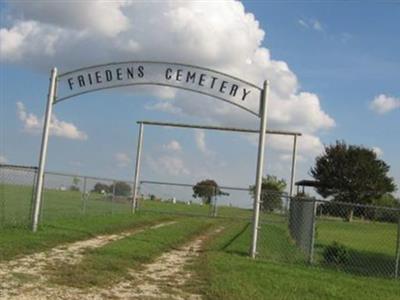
84	196
43	199
215	202
3	210
137	168
312	234
397	263
293	167
113	197
139	199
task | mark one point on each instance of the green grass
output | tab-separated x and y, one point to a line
228	274
359	235
15	241
65	218
15	201
195	209
110	263
371	245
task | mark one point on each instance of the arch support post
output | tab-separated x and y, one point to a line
137	168
260	165
293	168
43	150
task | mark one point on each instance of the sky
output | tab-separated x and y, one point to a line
333	68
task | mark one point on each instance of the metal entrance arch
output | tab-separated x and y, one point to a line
238	92
207	127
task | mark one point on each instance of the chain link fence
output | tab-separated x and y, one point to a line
357	239
353	238
16	194
180	198
64	196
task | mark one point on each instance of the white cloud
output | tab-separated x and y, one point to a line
99	17
123	159
164	106
303	23
173	146
288	158
311	24
307	145
32	124
317	25
168	164
200	139
378	151
383	104
216	34
3	159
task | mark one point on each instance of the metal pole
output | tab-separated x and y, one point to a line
292	174
113	197
219	128
137	168
215	202
312	234
397	263
260	164
84	196
43	149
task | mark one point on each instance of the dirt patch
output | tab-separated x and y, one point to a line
165	278
24	277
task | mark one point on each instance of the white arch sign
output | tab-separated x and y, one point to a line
197	79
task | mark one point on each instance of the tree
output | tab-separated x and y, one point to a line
206	189
75	184
387	200
74	188
75	180
351	173
271	192
100	187
121	188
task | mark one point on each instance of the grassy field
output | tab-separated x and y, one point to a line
15	242
16	202
371	245
224	271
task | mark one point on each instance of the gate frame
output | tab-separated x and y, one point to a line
262	114
139	148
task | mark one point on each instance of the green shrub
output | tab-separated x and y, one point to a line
336	254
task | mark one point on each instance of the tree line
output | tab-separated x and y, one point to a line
343	173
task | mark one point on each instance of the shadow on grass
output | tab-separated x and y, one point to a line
363	263
233	239
276	245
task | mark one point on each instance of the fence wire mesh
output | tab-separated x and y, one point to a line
358	239
179	198
353	238
64	196
16	194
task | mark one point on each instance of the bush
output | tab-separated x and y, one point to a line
336	254
74	188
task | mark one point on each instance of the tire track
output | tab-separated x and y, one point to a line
28	274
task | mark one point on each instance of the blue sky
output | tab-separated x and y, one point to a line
328	63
